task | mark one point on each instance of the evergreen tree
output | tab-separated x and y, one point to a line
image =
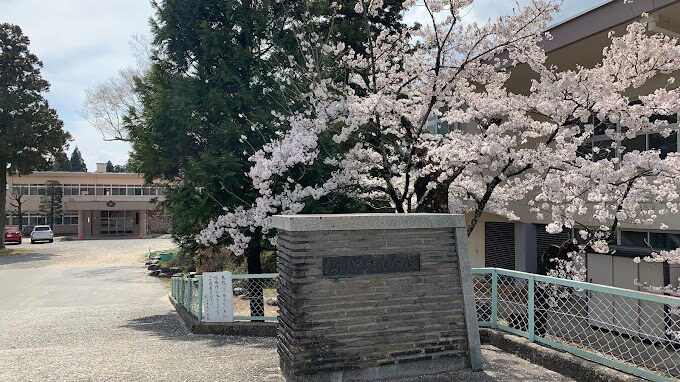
61	163
202	98
51	203
190	125
120	168
109	167
77	162
30	131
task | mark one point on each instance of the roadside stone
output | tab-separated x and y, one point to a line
272	301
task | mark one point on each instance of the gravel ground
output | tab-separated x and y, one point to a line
86	311
81	252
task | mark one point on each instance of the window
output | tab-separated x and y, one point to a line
634	239
638	143
69	218
22	189
657	240
665	145
36	189
608	148
664	240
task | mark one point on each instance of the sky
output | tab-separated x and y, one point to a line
84	42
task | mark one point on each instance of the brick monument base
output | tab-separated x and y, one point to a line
374	296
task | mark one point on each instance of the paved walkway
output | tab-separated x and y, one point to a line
86	311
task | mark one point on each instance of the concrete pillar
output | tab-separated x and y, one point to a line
525	247
81	224
142	223
369	297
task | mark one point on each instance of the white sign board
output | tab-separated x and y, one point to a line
218	300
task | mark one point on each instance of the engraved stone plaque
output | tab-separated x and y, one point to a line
347	266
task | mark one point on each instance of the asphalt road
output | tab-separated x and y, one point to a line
86	311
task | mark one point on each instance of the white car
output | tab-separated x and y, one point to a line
42	233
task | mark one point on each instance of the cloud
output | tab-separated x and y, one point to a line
483	10
81	43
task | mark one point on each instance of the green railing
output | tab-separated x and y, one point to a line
635	332
188	291
254	296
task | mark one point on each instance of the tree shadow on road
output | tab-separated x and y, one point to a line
23	258
170	327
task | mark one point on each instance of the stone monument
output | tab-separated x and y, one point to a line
365	297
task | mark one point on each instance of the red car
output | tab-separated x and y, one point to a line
13	235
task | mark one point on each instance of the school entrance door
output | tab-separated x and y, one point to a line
117	222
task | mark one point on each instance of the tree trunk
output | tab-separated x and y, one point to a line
436	201
3	201
20	215
254	286
542	294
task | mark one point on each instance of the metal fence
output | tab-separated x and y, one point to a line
635	332
254	296
188	291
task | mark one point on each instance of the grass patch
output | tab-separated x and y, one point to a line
171	250
12	251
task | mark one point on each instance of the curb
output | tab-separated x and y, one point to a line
245	328
560	362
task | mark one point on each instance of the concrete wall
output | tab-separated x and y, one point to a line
367	326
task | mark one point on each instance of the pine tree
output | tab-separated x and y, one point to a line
51	203
109	167
61	163
30	131
119	168
77	162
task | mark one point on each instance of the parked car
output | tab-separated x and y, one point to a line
42	233
13	235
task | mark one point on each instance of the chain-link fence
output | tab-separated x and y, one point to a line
636	332
255	297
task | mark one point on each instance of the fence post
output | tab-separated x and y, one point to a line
183	293
530	308
199	314
172	288
494	298
190	296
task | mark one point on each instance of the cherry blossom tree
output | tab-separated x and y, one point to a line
431	119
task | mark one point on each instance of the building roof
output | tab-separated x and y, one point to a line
604	17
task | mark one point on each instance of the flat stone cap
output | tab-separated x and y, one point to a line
347	222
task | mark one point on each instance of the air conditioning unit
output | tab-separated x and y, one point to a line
84	193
